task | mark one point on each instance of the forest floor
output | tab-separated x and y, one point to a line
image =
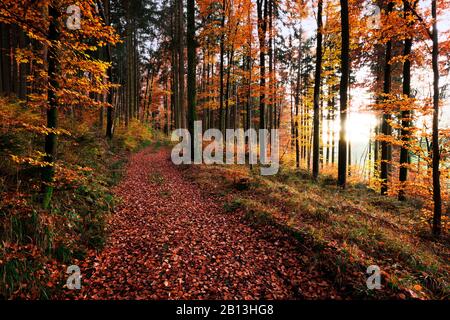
200	232
168	240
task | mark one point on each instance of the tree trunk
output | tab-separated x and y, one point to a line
249	84
318	72
6	59
343	94
230	56
109	99
262	29
436	154
175	94
23	67
191	48
271	68
221	67
386	129
297	100
332	121
181	68
406	114
48	171
329	128
128	93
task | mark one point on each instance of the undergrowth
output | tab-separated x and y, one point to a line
344	231
37	245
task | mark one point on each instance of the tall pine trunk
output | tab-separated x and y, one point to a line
435	139
271	68
318	72
343	94
386	128
109	99
221	67
6	59
249	91
298	92
191	85
175	100
262	29
181	67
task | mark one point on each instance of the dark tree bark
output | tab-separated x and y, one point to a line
298	90
1	60
386	128
317	82
128	82
262	30
271	67
105	11
406	114
221	67
328	133
6	59
249	97
191	85
23	67
175	100
249	93
230	57
181	67
435	139
333	138
207	88
343	94
48	171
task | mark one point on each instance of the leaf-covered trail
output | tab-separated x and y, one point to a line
170	241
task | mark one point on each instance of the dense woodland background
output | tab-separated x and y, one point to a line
75	103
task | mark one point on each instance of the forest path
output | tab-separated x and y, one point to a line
170	241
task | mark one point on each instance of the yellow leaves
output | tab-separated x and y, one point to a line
45	131
21	59
399	59
135	134
74	51
31	161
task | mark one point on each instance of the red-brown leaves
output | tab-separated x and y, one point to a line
170	241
